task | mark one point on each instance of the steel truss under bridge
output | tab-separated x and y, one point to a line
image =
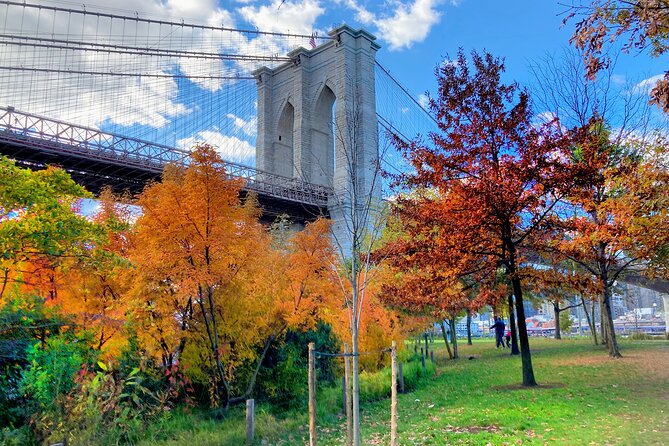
95	158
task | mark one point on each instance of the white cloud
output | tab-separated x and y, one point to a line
279	16
249	127
647	84
361	14
548	118
619	79
424	101
230	148
150	98
409	23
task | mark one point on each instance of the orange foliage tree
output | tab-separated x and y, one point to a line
214	290
41	230
95	288
619	220
195	244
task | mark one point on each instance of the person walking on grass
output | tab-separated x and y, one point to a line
499	326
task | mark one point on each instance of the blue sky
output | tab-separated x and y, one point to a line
519	31
415	35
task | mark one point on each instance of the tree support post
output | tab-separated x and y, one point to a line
349	410
393	395
312	394
250	421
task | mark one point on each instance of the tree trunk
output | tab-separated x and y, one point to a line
469	327
445	335
222	387
355	403
512	327
602	325
252	382
427	351
594	324
454	338
556	312
611	341
590	320
526	356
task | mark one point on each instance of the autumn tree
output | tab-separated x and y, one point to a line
95	288
642	24
291	285
496	174
418	283
40	229
621	220
195	242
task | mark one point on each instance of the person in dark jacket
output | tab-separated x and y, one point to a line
499	326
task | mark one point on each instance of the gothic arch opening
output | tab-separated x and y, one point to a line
283	146
323	138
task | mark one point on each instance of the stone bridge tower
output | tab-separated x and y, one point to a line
317	118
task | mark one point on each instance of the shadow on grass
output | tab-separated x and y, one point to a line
544	386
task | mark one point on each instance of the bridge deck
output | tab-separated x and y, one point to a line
95	158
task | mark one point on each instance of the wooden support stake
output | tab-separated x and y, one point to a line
426	347
343	394
349	409
393	396
250	421
401	377
432	356
422	361
312	395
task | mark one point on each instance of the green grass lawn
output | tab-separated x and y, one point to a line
583	398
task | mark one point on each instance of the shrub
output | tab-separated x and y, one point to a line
101	408
645	337
283	377
53	366
24	320
10	436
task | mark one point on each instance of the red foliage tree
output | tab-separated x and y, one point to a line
485	184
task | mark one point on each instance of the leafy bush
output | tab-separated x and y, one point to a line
23	321
53	367
283	377
102	408
645	337
21	436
